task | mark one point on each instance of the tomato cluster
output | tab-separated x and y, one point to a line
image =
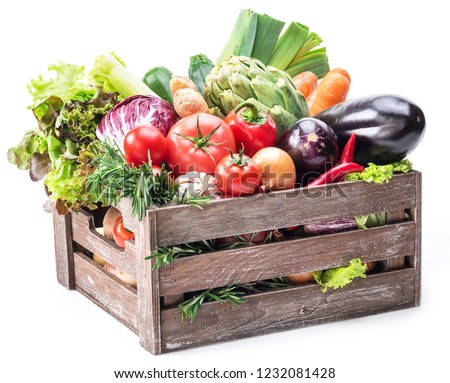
204	143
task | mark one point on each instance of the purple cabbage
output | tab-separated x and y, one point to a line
330	226
136	110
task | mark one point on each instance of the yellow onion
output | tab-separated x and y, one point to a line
277	169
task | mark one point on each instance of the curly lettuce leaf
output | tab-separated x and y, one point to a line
21	155
78	120
340	276
67	181
66	81
380	173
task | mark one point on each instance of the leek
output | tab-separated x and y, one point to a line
267	32
315	61
240	42
111	73
288	45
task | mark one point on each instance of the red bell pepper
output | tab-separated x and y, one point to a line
252	128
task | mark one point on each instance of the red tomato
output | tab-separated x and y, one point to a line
252	128
142	139
237	175
120	233
197	143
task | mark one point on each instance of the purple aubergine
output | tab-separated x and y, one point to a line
387	127
313	146
136	110
330	226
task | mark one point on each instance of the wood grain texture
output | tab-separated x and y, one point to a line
181	223
85	234
288	257
107	291
395	216
62	228
125	208
417	217
286	309
148	286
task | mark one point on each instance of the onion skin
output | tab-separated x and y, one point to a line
277	169
330	226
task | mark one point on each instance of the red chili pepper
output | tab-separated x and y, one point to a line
349	150
337	173
252	128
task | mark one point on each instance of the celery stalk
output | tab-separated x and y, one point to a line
267	32
111	73
288	45
240	42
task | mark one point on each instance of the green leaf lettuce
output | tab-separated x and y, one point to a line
340	276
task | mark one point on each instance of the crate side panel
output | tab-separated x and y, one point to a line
286	309
105	290
62	229
220	218
277	259
85	234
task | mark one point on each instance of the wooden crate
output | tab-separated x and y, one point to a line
150	310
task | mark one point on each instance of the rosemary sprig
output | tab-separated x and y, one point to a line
165	255
113	179
189	308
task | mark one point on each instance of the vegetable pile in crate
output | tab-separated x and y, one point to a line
196	209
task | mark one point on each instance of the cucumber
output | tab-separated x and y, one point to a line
158	80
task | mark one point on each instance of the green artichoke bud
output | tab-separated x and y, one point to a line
240	78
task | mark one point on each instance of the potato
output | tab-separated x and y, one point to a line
99	260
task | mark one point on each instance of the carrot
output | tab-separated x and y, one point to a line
305	82
342	72
332	90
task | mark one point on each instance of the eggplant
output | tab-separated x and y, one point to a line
313	146
387	127
330	226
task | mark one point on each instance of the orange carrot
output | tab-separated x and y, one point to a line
332	90
305	82
342	72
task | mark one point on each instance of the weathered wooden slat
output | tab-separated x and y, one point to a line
180	223
395	216
148	286
85	234
283	258
107	291
125	208
62	228
417	258
286	309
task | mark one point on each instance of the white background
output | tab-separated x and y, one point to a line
50	334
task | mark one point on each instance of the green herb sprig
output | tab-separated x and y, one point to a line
189	308
113	179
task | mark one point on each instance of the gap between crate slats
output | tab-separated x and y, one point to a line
219	218
114	296
286	309
287	257
85	234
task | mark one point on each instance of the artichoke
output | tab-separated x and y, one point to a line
238	79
